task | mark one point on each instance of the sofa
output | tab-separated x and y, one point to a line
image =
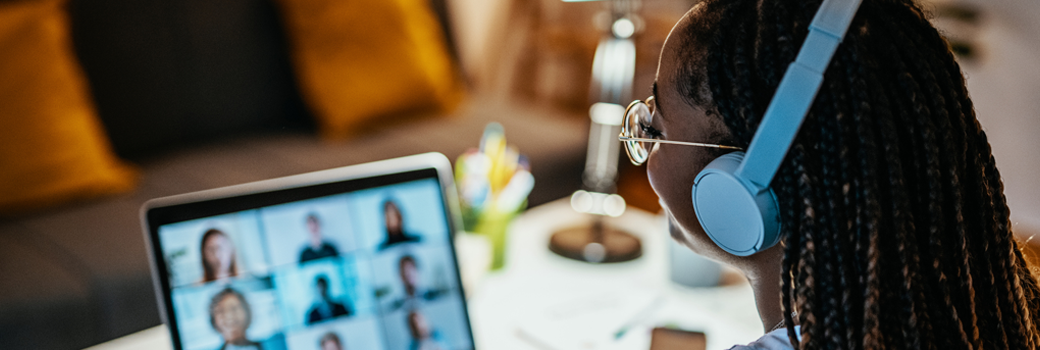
200	94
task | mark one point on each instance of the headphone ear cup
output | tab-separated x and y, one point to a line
739	217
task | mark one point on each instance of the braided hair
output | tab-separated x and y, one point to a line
895	227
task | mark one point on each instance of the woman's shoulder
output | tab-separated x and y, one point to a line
775	340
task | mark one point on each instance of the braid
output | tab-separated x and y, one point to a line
896	232
786	285
927	150
866	219
807	316
1015	301
953	133
984	207
851	151
900	219
836	177
790	238
828	194
942	120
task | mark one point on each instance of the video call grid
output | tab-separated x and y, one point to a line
343	268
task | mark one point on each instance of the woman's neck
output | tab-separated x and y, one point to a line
223	273
239	340
763	273
767	299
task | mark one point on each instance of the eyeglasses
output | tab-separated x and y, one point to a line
638	135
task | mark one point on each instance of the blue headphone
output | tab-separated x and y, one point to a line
731	196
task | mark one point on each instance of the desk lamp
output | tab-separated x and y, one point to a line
613	70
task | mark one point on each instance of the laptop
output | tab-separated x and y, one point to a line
359	257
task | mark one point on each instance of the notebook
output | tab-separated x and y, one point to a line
359	257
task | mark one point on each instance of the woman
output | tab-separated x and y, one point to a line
395	226
231	316
894	227
218	256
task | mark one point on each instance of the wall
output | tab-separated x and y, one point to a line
1004	83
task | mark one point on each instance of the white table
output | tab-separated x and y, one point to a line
542	301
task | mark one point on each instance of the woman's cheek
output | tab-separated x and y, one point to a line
667	182
661	178
672	180
655	183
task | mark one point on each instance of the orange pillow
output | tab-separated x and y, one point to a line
358	62
52	147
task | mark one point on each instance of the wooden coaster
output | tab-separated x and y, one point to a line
580	243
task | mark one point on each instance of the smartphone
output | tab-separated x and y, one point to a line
662	338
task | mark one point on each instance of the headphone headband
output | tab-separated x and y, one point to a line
793	98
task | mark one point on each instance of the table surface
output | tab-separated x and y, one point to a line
545	302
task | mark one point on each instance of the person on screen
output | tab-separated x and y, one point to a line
231	316
318	247
330	341
411	280
218	256
325	308
395	226
424	337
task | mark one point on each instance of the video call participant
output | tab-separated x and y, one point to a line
325	308
395	226
218	256
411	282
231	316
895	231
330	341
424	337
317	247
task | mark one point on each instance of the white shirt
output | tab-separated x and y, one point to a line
775	340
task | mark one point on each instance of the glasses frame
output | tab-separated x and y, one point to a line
630	141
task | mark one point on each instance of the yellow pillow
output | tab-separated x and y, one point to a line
359	62
52	147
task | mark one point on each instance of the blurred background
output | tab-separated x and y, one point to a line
105	104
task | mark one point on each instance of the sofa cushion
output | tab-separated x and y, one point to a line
52	148
362	63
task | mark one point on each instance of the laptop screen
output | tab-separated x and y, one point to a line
359	264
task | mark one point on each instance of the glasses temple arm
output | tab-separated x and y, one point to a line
709	145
